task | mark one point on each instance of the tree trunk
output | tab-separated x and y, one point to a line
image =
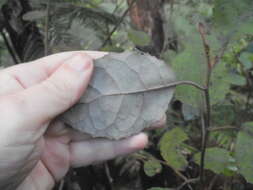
146	15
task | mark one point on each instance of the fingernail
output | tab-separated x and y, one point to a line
79	62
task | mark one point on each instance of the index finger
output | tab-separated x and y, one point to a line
34	72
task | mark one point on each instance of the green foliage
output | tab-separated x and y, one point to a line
249	48
224	139
233	16
236	79
191	65
223	115
138	37
243	151
217	159
191	57
152	167
171	148
219	85
246	59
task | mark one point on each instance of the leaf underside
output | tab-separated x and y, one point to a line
127	93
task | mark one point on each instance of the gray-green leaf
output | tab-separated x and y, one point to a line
216	159
34	15
126	94
152	167
243	151
138	37
171	148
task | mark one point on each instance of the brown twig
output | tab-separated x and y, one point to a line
207	111
118	24
213	182
202	32
187	182
203	135
223	128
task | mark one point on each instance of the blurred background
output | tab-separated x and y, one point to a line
209	42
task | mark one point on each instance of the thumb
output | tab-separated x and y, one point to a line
40	103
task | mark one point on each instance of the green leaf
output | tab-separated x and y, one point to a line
223	115
189	112
171	150
233	16
223	138
249	48
243	151
219	85
191	65
205	9
216	159
236	79
246	59
138	37
152	167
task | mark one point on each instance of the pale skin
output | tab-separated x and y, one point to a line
36	150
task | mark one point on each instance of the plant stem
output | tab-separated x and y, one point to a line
118	24
187	182
47	28
207	107
213	182
223	128
205	135
202	32
169	85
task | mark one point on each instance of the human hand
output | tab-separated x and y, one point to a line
36	151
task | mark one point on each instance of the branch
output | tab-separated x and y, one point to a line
202	32
118	24
213	181
223	128
187	182
46	28
205	134
205	118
